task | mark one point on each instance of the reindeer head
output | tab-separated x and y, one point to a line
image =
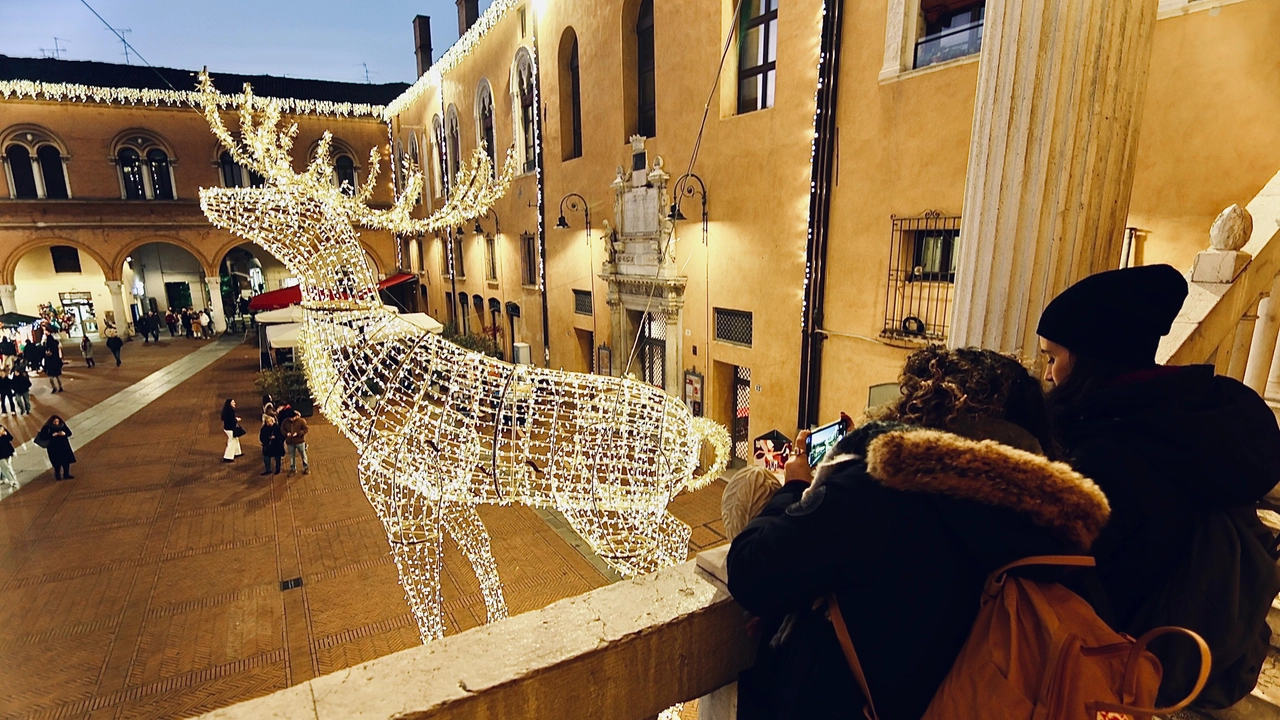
309	223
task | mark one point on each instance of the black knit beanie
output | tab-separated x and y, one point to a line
1118	316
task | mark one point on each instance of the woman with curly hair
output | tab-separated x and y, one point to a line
904	521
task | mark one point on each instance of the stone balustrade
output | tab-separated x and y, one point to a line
626	651
1232	314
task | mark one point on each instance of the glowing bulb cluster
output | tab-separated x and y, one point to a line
441	429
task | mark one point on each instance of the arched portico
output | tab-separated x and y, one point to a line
61	272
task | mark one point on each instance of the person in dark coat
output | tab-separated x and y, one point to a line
172	321
230	424
55	436
21	384
904	524
8	348
114	343
272	439
8	403
7	475
53	363
1183	455
33	353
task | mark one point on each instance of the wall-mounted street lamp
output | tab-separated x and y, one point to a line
575	203
688	185
497	229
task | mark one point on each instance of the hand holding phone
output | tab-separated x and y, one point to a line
823	439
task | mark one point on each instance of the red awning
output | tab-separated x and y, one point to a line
284	297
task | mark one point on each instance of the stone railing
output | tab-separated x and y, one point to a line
1232	315
625	651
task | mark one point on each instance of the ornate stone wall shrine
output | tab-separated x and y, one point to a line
646	291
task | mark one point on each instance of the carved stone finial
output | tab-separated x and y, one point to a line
1231	229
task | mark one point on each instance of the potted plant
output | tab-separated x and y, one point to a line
287	385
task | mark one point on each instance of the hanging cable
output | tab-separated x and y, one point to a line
128	45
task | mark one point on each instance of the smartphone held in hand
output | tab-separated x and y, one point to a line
822	439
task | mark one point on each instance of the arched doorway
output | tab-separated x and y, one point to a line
61	279
247	270
160	276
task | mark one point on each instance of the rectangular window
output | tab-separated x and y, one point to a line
733	326
582	302
490	258
66	259
459	267
451	309
922	269
757	54
528	259
951	30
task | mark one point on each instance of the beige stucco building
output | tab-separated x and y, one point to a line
99	200
880	193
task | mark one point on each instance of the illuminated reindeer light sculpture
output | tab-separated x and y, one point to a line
440	429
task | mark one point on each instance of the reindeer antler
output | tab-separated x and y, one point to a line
265	149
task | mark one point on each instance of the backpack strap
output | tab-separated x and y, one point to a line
851	656
1131	669
1061	560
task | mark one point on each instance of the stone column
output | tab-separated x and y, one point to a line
1240	344
674	361
1051	159
7	300
1263	347
117	307
215	303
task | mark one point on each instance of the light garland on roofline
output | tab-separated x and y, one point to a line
440	429
451	58
73	92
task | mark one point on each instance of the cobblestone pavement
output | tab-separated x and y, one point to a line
149	586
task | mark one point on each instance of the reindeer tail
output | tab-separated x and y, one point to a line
714	433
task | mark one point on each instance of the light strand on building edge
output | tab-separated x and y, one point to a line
74	92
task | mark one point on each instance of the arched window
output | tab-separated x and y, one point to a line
35	165
397	166
131	174
22	175
55	181
484	119
146	167
525	109
646	93
441	165
344	168
233	175
416	159
570	97
161	180
453	140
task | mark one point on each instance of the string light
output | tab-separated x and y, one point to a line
451	58
73	92
441	429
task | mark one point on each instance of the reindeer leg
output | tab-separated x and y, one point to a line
467	529
413	531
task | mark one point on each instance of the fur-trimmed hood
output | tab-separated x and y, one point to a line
1051	494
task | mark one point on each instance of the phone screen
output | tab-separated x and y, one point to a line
821	440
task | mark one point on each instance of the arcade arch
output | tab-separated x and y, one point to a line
61	274
158	274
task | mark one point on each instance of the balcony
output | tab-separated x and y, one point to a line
625	651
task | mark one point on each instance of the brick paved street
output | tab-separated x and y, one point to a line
148	586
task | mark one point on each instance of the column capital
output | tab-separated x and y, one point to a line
114	285
8	288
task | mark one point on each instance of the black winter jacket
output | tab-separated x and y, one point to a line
904	525
6	444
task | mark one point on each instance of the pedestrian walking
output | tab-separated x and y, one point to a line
114	343
272	440
7	476
21	383
86	349
53	364
186	322
55	438
171	320
8	403
206	322
197	328
143	326
295	438
8	348
231	426
154	322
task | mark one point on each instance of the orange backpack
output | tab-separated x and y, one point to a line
1038	650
